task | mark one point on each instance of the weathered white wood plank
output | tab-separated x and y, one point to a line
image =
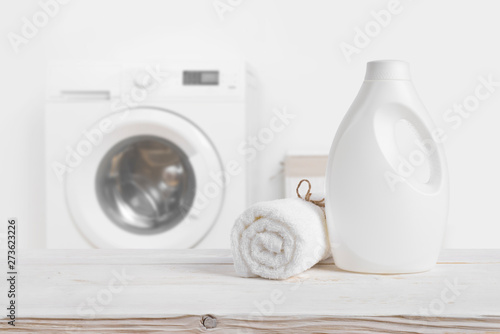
214	288
170	291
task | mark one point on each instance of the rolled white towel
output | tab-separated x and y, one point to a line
279	239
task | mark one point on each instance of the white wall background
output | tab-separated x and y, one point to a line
294	46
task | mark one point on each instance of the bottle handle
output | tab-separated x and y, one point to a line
385	122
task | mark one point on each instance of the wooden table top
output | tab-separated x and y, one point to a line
129	291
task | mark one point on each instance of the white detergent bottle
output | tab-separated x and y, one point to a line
387	180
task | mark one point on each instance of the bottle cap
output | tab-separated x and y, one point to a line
387	70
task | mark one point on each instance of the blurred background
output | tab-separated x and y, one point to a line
309	58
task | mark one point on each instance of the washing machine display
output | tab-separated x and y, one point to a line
200	78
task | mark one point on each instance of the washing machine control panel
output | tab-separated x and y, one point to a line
149	81
173	80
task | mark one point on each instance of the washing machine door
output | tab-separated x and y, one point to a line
145	180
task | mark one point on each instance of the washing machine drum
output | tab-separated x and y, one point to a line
142	186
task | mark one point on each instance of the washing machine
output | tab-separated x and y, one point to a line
145	155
